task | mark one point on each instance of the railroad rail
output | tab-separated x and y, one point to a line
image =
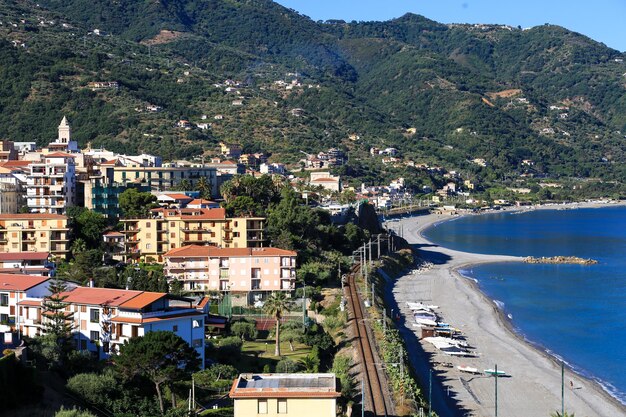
375	398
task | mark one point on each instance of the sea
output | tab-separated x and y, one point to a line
576	313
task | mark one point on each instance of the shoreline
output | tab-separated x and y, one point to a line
535	372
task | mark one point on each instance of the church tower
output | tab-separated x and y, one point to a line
65	131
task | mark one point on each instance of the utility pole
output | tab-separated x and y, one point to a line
496	375
362	399
430	394
304	307
373	298
562	388
378	245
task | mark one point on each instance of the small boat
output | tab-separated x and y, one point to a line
492	372
425	321
421	306
468	369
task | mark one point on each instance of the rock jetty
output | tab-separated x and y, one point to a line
560	260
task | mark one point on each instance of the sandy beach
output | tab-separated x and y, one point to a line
534	385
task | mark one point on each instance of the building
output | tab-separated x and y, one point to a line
11	195
254	271
164	177
64	142
114	244
326	181
103	197
105	318
102	318
230	150
34	233
297	395
16	294
173	228
27	263
7	151
51	183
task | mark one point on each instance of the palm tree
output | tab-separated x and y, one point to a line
558	414
205	188
274	306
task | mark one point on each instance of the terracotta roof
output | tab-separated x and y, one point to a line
142	300
194	213
26	256
116	234
4	170
178	196
284	386
192	251
20	282
60	155
200	201
203	302
111	162
100	296
30	302
16	164
325	180
32	216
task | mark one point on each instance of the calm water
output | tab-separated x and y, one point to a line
577	313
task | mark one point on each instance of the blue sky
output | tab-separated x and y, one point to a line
602	20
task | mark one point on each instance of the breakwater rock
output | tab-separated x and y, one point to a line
560	260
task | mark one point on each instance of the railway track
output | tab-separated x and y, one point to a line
375	398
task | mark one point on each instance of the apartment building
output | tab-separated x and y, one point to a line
173	228
27	263
284	395
17	293
105	318
51	183
254	271
103	197
34	232
102	318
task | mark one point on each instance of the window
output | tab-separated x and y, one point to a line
94	315
83	309
282	406
262	407
147	224
4	318
94	336
4	300
175	328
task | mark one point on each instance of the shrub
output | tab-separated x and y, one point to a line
244	330
230	345
94	388
73	412
287	366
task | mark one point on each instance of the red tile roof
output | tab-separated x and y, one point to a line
31	302
116	234
200	201
192	251
176	196
100	296
19	282
24	256
142	300
16	164
60	155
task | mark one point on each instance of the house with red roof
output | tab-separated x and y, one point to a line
29	263
16	293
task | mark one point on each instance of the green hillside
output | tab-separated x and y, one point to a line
496	93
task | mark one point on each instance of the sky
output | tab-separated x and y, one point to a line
601	20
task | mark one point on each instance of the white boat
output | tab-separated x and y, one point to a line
468	369
421	306
450	341
425	322
493	372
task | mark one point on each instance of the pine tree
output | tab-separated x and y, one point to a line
58	322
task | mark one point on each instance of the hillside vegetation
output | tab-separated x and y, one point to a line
496	93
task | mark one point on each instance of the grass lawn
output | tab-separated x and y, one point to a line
258	353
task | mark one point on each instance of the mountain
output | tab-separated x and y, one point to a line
441	94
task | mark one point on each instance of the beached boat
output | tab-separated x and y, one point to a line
421	306
492	372
425	322
468	369
450	341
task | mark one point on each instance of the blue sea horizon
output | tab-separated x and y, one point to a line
576	313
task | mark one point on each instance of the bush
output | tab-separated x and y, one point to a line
74	412
94	388
287	366
230	346
244	330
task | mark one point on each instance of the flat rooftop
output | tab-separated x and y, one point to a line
284	386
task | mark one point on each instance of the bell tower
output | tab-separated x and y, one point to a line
65	131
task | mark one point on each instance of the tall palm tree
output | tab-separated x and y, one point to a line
275	306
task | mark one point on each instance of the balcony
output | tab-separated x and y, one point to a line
132	230
224	274
256	284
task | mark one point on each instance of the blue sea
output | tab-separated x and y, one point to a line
576	313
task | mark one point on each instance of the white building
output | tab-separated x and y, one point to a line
27	263
51	183
16	293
